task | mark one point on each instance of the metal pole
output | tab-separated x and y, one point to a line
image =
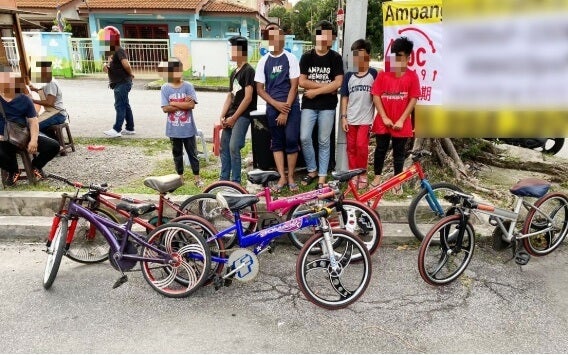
355	27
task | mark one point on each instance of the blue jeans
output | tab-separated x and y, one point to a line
325	120
232	141
122	107
53	120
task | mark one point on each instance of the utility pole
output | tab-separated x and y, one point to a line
355	27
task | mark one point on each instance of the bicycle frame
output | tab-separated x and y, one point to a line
376	193
106	226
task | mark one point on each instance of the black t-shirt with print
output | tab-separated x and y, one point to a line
321	69
116	72
238	81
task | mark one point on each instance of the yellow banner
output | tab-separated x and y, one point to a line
400	13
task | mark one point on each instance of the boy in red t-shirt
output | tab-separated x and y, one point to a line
395	93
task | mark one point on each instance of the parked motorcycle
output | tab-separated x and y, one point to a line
546	145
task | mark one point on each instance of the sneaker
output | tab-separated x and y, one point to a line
39	174
112	133
128	133
11	179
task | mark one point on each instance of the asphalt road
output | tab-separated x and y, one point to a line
496	307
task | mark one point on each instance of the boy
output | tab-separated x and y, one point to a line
321	74
235	115
357	109
395	93
178	101
276	79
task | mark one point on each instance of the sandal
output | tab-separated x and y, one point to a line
308	179
398	190
278	188
293	187
320	186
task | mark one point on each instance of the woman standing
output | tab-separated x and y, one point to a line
19	108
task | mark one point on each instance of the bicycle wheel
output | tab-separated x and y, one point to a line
191	260
360	220
440	261
208	232
329	288
55	251
225	186
553	206
88	245
421	214
206	206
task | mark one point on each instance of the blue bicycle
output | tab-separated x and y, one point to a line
333	268
174	258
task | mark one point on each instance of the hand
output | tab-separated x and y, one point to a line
230	122
132	76
310	94
33	88
32	147
188	99
105	68
282	107
282	119
387	121
398	125
344	125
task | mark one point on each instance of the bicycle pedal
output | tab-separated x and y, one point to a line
522	258
120	281
217	282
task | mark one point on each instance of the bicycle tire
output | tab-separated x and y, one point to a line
555	205
362	221
190	253
208	232
55	251
339	289
557	145
421	217
434	256
89	246
228	186
206	206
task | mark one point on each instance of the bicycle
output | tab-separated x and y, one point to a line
354	216
175	260
448	247
90	246
326	271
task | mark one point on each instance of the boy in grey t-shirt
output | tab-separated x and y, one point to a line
358	111
52	101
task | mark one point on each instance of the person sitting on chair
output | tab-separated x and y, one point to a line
51	99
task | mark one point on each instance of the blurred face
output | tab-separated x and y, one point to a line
324	38
398	61
42	73
8	82
361	59
170	72
275	39
237	54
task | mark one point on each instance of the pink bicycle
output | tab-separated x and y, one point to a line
353	216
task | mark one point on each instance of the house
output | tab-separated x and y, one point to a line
154	19
10	24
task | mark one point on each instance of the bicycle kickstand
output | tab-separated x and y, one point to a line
520	255
121	280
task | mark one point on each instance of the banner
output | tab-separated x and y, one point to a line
421	22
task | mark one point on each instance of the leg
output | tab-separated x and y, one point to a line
120	105
53	120
292	143
128	112
191	149
279	161
326	120
307	123
351	138
47	149
8	160
177	152
398	148
237	143
277	144
225	154
362	147
383	141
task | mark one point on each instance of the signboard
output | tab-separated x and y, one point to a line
340	17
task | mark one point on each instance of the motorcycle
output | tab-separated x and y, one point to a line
546	145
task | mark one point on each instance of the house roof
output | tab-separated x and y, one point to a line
41	3
221	6
139	4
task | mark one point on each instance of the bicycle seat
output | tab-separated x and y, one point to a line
163	184
136	209
236	202
530	187
343	176
261	177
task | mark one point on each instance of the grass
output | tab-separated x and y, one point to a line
197	81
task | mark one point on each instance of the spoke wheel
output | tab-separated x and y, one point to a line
440	261
89	246
550	234
190	262
55	251
333	287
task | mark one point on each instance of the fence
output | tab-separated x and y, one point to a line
11	48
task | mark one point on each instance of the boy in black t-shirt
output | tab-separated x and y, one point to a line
321	74
235	115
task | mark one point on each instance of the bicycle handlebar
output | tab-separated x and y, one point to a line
102	187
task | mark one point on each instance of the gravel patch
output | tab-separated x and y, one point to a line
114	165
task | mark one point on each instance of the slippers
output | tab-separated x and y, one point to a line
308	179
398	190
293	187
278	188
